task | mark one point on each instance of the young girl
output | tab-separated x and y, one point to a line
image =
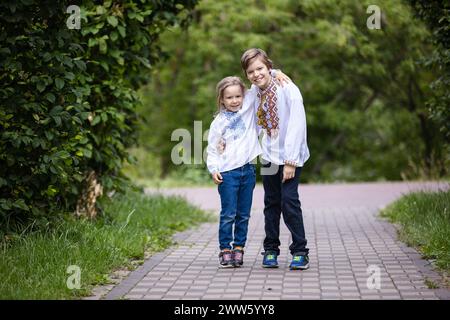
232	145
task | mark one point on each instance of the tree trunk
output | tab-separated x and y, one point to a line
86	203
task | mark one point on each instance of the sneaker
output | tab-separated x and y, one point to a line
299	262
226	259
270	259
238	257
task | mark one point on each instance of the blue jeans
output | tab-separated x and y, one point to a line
236	194
283	198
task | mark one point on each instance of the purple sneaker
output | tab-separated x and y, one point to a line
226	259
238	257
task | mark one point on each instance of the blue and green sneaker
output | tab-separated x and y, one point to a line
299	262
270	259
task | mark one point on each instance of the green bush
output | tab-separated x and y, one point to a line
436	15
68	96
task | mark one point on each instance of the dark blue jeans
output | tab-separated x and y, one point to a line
236	194
283	198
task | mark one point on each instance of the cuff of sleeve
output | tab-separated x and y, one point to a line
291	163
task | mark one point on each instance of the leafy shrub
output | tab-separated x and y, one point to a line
68	96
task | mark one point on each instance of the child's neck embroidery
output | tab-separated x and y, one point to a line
267	111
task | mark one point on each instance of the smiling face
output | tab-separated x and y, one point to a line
232	98
258	73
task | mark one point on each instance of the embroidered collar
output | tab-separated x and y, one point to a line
270	87
229	114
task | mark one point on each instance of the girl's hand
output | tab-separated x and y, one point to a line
281	78
288	172
217	178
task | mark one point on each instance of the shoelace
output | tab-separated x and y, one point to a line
270	258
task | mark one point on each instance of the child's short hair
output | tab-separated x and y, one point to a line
225	83
254	53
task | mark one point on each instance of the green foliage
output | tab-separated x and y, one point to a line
68	97
425	223
363	91
436	15
133	225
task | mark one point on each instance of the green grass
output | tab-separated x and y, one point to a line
424	219
34	265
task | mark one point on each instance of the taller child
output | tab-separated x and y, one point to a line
281	118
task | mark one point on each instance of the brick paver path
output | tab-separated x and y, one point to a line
346	238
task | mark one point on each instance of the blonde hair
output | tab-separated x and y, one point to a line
225	83
254	53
